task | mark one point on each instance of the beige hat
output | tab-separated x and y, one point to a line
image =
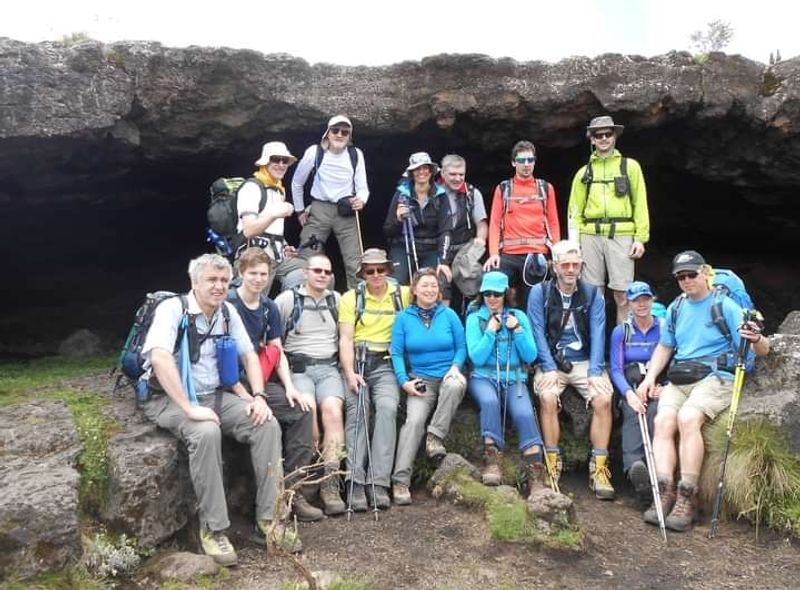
374	256
274	148
604	122
419	159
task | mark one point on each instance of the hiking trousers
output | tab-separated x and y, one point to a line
382	394
203	441
324	218
511	399
296	426
444	396
632	443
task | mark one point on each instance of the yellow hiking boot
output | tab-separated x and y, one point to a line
553	467
217	546
600	478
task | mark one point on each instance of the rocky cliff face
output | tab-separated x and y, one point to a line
106	151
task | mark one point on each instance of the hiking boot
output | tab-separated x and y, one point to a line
666	490
217	546
381	498
553	467
281	537
536	474
331	499
600	478
305	511
640	480
401	494
434	447
491	475
358	501
684	513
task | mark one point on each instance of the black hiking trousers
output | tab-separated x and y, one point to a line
296	428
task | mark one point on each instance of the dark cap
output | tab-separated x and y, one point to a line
687	260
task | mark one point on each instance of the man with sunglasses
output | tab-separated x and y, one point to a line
569	324
365	331
608	213
522	225
700	385
311	343
338	192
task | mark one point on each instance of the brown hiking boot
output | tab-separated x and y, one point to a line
305	511
684	513
536	474
332	502
491	475
600	478
434	447
666	489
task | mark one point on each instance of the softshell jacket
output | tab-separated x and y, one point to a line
489	351
589	205
429	221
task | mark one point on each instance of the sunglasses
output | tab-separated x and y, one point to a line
568	265
279	160
321	271
493	293
685	275
526	160
603	134
339	131
375	271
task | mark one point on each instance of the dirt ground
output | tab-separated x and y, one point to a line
436	545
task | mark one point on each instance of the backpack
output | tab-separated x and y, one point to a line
588	176
361	288
724	283
544	189
222	214
299	305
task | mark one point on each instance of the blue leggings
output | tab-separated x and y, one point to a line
490	401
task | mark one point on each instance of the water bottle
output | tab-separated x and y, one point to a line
219	242
227	361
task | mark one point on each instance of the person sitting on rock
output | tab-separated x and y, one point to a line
700	387
311	343
569	323
630	350
197	410
366	316
262	207
293	410
500	345
428	353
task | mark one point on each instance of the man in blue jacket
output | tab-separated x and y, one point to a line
569	323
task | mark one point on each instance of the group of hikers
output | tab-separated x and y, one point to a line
320	376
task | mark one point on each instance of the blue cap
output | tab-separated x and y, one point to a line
638	288
494	281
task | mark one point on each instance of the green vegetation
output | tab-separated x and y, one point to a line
76	578
19	380
339	584
762	477
75	38
770	83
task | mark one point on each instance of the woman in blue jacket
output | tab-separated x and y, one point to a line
500	343
428	352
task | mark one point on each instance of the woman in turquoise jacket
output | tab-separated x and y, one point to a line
500	344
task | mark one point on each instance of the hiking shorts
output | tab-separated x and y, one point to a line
711	396
321	381
578	377
603	256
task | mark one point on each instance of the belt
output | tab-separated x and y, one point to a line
524	241
331	360
612	221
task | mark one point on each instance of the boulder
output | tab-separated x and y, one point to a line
552	508
81	343
184	566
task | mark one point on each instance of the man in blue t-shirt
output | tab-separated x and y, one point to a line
293	410
701	383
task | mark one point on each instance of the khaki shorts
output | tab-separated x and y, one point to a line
710	395
578	377
601	254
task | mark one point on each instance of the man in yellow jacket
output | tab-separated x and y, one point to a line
608	213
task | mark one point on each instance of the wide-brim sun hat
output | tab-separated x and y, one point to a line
604	122
274	148
638	289
374	256
419	159
494	281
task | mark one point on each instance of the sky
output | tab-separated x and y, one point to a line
359	32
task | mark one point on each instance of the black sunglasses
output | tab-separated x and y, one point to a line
322	271
339	131
685	275
493	293
372	271
279	160
603	134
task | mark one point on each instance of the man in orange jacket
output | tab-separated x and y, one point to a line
523	224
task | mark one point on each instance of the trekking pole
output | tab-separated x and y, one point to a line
362	398
650	460
504	318
408	250
355	446
358	229
738	385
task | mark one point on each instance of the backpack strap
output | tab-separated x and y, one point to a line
718	319
330	301
351	151
298	303
544	191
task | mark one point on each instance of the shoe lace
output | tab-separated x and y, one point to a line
602	475
222	542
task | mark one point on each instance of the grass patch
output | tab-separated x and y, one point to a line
76	578
20	381
338	584
762	476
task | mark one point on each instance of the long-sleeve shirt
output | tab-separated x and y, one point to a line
489	351
523	220
430	351
597	333
334	179
638	349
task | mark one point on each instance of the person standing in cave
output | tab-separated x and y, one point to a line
608	213
523	224
261	206
339	192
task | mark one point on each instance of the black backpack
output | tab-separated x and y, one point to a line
222	214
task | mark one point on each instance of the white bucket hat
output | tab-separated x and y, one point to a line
420	159
274	148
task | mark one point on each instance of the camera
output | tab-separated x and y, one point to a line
562	363
420	387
